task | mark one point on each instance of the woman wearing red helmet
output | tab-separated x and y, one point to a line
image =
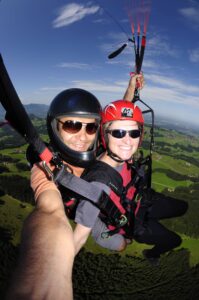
121	129
121	134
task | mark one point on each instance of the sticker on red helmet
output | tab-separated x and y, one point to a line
127	112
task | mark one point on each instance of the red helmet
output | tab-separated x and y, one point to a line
120	110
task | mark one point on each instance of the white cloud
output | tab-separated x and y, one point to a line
52	88
148	63
167	95
100	86
159	45
101	21
75	65
172	83
191	14
163	89
194	55
72	13
159	90
157	93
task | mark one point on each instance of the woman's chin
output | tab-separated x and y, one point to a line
126	157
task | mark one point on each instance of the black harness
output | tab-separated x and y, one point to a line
75	189
103	173
110	214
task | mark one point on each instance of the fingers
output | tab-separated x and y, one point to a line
140	81
136	80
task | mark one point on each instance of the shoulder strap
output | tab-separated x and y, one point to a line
66	179
111	213
102	172
76	184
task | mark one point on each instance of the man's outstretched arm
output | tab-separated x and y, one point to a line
47	253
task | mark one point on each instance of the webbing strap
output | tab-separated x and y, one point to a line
90	192
77	185
17	115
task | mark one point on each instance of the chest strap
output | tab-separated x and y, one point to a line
76	184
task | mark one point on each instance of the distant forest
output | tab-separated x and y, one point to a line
112	277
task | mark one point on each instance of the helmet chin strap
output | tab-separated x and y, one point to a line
116	157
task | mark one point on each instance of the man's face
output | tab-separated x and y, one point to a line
81	140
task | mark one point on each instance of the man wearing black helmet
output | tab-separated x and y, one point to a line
73	121
47	252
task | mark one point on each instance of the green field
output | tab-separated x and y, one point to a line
175	172
13	212
135	249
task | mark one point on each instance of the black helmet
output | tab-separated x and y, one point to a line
74	103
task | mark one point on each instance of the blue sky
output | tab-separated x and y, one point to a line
52	45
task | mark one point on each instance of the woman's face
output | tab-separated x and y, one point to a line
126	146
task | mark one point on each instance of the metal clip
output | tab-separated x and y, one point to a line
105	235
123	220
48	170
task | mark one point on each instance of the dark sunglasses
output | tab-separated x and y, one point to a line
75	126
120	133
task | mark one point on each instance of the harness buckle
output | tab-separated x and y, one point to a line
123	220
48	171
105	235
60	167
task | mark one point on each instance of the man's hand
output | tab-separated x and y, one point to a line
81	234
